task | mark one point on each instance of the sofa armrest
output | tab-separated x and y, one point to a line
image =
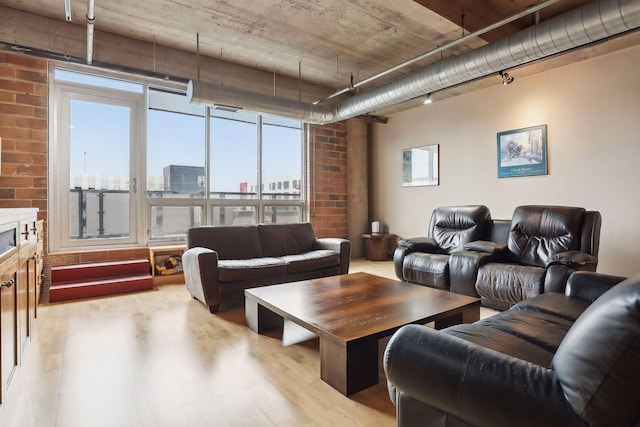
573	259
398	261
589	286
473	383
489	247
463	271
200	267
341	246
420	244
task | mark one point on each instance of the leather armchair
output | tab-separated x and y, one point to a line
425	260
545	244
554	360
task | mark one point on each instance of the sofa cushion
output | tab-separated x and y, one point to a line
230	242
286	239
309	261
540	329
453	226
537	232
250	269
555	304
427	269
488	336
510	283
597	363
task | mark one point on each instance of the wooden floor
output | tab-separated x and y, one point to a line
159	358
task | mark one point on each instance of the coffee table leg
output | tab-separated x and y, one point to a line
468	314
260	319
349	367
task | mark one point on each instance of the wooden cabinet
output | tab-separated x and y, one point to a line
8	322
39	264
18	299
27	299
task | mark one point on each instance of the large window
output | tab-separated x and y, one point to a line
113	135
234	155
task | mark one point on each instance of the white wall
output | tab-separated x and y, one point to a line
592	110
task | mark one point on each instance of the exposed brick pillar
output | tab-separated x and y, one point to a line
24	132
23	129
327	180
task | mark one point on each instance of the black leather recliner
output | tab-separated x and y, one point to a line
558	359
544	245
425	260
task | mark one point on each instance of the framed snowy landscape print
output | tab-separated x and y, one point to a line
522	152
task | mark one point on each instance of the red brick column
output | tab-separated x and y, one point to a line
23	129
327	179
24	132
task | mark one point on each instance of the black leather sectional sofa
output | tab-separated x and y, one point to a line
502	262
557	359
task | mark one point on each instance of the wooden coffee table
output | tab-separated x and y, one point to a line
350	313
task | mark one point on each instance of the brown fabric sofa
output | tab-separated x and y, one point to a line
222	261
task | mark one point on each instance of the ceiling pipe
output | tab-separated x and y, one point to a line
91	20
590	23
439	49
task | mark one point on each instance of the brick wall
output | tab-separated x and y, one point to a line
23	129
327	209
23	173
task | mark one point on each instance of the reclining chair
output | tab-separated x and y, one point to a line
544	246
425	260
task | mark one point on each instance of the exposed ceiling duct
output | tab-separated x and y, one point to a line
590	23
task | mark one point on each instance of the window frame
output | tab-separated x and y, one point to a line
60	95
141	205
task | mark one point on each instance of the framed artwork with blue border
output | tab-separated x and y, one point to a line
522	152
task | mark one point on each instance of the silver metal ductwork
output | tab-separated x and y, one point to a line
590	23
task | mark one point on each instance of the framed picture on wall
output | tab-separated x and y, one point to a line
522	152
420	166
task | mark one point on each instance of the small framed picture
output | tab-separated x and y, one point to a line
420	166
522	152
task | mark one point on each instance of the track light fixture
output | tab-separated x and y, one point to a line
427	99
506	78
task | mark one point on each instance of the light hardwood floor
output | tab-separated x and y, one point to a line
159	358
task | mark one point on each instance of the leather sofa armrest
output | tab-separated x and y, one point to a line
398	261
589	286
486	246
420	244
341	246
407	246
200	267
473	383
561	265
463	271
573	259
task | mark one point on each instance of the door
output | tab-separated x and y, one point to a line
96	169
8	325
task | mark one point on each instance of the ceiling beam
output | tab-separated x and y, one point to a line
480	14
69	40
475	15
